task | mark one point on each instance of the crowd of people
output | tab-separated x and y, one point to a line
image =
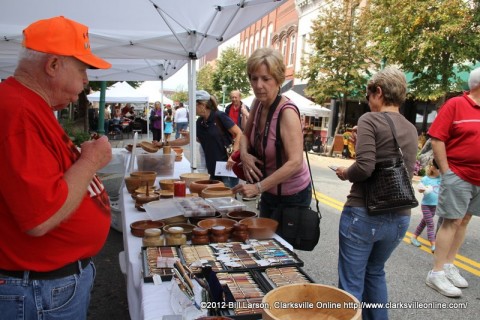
68	224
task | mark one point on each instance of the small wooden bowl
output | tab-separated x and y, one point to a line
240	215
175	219
149	147
211	222
216	192
199	185
150	176
167	184
138	228
193	176
260	228
196	220
133	183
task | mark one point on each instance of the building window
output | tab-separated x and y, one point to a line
284	47
270	34
251	44
257	40
263	35
291	56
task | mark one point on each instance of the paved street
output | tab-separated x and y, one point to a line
406	269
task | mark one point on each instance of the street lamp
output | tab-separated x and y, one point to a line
224	89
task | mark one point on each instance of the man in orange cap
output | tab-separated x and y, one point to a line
55	212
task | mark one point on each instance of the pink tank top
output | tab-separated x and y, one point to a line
298	181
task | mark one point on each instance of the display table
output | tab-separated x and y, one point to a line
145	300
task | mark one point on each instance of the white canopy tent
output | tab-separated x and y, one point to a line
143	39
120	92
305	106
153	90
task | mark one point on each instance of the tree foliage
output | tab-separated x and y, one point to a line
231	70
341	59
205	78
340	63
430	40
180	95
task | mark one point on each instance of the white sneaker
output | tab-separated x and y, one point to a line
441	284
452	274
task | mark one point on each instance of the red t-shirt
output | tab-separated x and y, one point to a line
234	113
35	153
458	126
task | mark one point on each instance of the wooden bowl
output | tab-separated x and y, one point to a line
193	176
240	215
175	219
211	222
150	176
149	147
133	183
199	185
260	228
167	184
187	228
216	192
138	228
313	293
196	220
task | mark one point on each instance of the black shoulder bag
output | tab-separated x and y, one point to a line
389	188
299	226
225	135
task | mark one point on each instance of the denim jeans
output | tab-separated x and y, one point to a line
180	126
365	244
269	202
58	299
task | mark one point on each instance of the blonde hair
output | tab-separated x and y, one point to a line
431	168
272	59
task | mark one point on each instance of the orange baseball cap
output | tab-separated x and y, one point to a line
62	36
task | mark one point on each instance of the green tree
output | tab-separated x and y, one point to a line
180	95
430	40
205	78
231	70
339	64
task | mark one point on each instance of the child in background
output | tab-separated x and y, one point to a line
168	126
429	186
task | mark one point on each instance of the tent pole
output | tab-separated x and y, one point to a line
161	109
192	85
101	108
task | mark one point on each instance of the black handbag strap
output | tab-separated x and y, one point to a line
278	156
394	132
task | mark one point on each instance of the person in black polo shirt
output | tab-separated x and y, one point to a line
215	132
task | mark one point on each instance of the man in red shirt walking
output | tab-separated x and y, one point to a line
237	111
455	144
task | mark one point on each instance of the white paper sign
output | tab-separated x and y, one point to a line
221	170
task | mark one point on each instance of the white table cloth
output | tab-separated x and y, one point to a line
146	300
